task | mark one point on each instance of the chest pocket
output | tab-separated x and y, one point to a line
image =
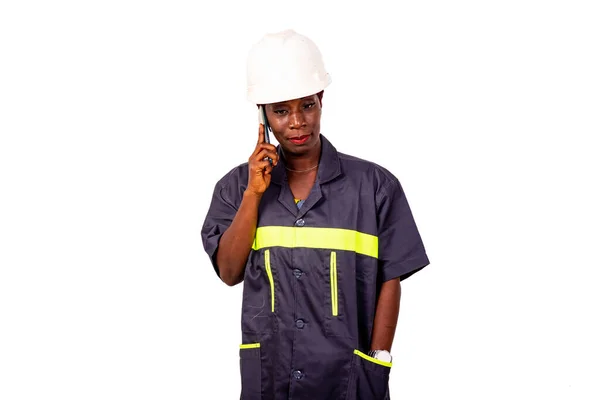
333	283
339	295
270	276
259	299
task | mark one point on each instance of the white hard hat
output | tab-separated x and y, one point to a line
284	66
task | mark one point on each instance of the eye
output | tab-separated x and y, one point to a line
280	112
309	105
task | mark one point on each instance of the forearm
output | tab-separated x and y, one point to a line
236	242
386	316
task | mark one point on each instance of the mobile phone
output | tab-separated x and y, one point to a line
262	118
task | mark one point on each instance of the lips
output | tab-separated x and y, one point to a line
299	139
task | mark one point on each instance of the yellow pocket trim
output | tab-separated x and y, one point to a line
250	346
373	360
270	274
333	284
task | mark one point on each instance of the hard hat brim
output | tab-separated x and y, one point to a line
255	96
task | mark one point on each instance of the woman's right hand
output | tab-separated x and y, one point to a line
259	168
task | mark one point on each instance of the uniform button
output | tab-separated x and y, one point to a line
300	222
298	375
297	273
299	324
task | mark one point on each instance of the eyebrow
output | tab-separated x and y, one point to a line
283	103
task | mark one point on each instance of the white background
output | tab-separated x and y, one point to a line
118	117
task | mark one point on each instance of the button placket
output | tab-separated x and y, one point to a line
300	324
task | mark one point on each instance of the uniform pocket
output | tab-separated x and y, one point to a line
339	313
369	378
259	295
250	368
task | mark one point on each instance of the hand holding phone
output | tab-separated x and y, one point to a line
261	163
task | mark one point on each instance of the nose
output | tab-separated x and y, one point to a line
297	120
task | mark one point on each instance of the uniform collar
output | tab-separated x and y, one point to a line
329	164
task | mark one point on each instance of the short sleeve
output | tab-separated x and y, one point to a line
401	250
219	217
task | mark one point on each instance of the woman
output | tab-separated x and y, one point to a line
320	239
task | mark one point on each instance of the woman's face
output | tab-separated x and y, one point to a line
296	123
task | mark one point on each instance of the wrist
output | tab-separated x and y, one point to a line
383	355
252	195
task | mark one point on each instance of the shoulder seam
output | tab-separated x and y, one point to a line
384	191
224	183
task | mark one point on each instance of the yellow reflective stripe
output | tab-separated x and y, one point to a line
316	238
250	346
333	284
270	274
373	360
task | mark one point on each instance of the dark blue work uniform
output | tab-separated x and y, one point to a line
313	277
